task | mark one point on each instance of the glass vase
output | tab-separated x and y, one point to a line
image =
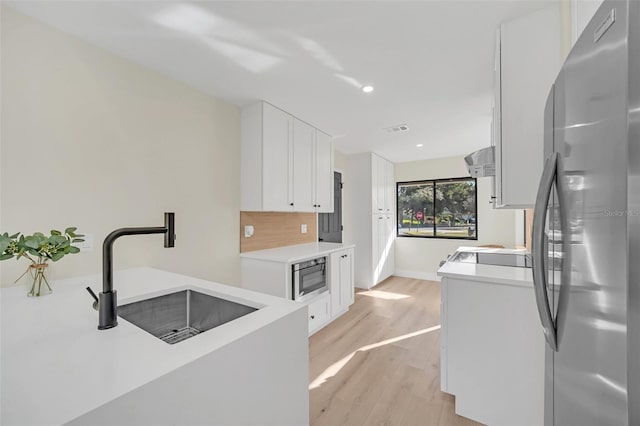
37	273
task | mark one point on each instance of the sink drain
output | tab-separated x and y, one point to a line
179	335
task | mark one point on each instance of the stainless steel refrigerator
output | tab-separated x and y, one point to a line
586	231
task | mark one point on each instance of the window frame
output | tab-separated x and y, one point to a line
434	183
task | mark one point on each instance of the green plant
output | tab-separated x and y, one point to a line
54	247
39	249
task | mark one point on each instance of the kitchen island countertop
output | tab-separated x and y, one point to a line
507	275
57	367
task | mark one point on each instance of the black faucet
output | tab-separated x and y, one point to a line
107	304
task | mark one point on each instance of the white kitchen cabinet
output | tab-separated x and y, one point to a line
382	185
323	172
383	261
303	170
286	164
492	353
371	184
527	59
389	253
390	188
319	312
342	288
377	183
276	185
269	271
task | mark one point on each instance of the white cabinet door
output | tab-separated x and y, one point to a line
277	160
323	173
319	312
388	267
382	252
494	352
341	286
346	279
381	184
389	187
444	330
303	170
377	203
529	60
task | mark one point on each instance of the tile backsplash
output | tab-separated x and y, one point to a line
274	229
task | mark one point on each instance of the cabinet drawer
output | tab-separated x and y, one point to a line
318	312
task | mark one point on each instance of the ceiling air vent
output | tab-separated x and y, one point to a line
397	128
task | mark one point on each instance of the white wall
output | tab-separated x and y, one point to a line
420	257
94	141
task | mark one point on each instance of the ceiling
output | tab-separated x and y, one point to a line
431	62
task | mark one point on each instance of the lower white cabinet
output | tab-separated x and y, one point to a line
341	279
263	271
319	312
492	353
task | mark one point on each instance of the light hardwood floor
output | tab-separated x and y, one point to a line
379	364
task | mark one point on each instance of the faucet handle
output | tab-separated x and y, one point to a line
95	304
170	233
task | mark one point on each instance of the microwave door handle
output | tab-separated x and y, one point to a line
539	250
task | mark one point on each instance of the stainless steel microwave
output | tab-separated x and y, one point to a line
309	278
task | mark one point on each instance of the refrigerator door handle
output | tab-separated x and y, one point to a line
539	249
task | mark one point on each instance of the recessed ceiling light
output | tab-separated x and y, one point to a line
419	145
367	89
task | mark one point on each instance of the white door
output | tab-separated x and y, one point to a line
303	170
277	160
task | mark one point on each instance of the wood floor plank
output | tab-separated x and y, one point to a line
379	364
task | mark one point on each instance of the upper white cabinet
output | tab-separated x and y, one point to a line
287	164
303	170
324	172
528	58
382	186
276	150
371	185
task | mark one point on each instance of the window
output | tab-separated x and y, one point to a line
442	208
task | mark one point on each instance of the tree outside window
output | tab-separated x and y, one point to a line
443	208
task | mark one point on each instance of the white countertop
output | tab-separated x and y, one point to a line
507	275
56	365
295	253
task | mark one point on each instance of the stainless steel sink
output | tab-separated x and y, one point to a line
178	316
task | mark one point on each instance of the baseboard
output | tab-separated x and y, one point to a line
419	275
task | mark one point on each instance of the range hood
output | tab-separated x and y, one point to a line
481	163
